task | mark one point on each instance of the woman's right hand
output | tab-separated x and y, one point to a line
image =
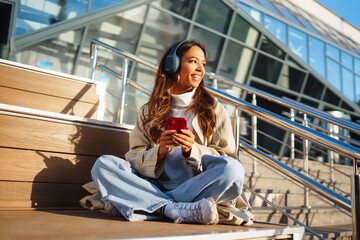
166	143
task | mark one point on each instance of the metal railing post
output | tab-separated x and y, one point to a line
123	89
93	61
331	155
254	133
237	129
306	163
355	202
292	136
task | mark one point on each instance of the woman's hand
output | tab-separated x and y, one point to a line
166	143
185	139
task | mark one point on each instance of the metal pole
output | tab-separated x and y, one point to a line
355	202
93	61
331	155
306	163
237	128
123	86
254	133
292	136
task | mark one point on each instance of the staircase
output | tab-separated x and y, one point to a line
326	220
49	140
48	145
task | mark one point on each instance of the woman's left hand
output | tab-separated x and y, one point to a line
185	139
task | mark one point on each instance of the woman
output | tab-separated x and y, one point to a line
182	175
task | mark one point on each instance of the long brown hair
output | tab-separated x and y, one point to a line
203	104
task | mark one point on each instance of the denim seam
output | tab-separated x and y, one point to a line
153	209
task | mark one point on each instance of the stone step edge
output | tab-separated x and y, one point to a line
293	210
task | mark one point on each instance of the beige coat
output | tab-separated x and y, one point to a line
143	152
143	158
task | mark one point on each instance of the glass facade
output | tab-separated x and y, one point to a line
332	63
237	48
34	15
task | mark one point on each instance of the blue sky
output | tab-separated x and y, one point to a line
347	9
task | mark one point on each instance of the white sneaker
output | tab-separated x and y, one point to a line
203	211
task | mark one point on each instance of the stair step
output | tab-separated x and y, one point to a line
284	199
332	232
45	160
315	216
31	88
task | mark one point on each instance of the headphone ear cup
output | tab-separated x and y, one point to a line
172	63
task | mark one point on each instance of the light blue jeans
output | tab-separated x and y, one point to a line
137	197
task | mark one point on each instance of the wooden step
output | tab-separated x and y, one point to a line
85	224
33	88
45	160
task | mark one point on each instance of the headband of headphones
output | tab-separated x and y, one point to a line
172	61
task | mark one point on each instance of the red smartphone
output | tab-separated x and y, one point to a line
176	123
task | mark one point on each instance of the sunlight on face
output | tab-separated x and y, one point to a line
192	70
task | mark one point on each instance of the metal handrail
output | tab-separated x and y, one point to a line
352	141
290	103
298	177
324	140
282	101
282	122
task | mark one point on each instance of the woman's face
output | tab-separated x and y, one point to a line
192	70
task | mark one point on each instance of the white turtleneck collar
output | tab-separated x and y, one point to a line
183	99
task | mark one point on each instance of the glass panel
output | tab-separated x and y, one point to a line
183	8
213	44
121	31
294	63
291	78
348	87
161	31
346	106
333	52
357	89
244	32
257	15
357	65
237	62
56	54
333	73
269	5
33	15
214	14
314	88
97	4
317	55
331	97
276	27
347	60
306	23
286	13
267	68
309	103
298	43
270	47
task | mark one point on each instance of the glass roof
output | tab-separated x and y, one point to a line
298	16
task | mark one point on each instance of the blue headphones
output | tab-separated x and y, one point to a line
172	61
